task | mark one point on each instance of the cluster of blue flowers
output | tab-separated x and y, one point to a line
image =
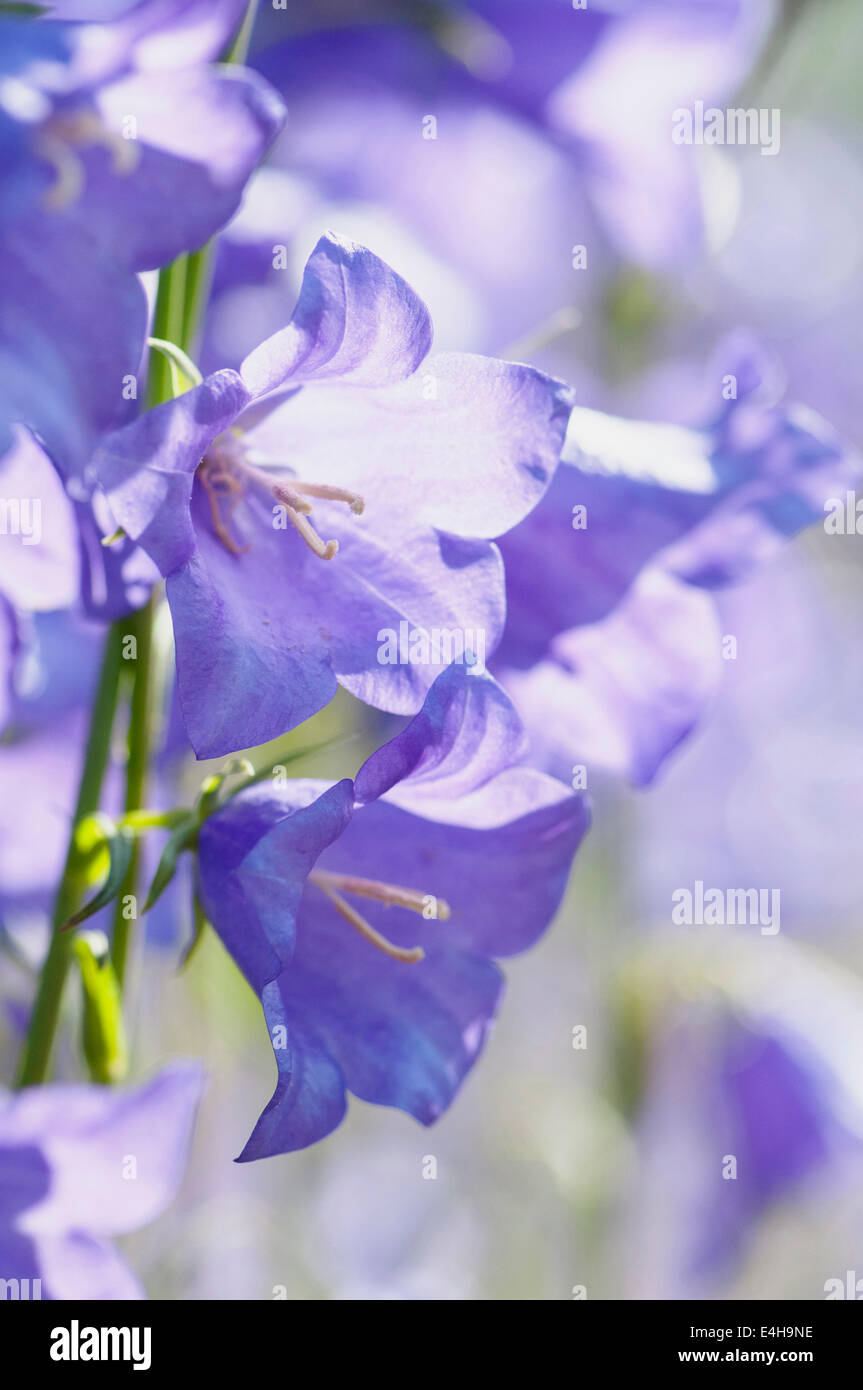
328	485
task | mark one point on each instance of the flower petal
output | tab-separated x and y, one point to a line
309	1100
263	638
620	695
253	859
116	1157
147	469
466	731
355	319
468	445
38	539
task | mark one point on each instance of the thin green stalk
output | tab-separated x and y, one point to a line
238	50
140	626
182	293
39	1042
169	322
199	264
199	274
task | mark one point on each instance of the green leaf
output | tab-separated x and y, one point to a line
118	843
103	1033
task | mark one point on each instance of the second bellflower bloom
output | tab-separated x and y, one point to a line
368	914
751	1094
612	646
244	488
83	1163
122	145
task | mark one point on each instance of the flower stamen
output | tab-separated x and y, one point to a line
409	955
59	141
227	467
219	482
297	511
390	894
327	493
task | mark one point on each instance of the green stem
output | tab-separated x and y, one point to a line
182	293
238	50
199	264
168	323
140	626
39	1042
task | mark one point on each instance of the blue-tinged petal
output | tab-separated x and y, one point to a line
264	637
355	319
708	505
200	134
624	490
147	469
499	857
153	34
8	650
38	539
621	694
466	731
117	578
38	778
116	1158
788	469
468	444
253	860
401	1035
309	1101
72	327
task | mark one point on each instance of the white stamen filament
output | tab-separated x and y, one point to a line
391	894
222	472
409	955
298	517
327	493
57	142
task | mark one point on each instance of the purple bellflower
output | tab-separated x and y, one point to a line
298	527
612	648
759	1070
368	914
82	1163
121	148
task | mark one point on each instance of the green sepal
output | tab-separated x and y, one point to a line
103	1034
94	835
182	838
208	797
200	926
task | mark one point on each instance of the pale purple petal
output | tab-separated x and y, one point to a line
355	319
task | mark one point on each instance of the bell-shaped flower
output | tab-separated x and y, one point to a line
369	914
303	532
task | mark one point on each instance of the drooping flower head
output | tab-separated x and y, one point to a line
368	914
